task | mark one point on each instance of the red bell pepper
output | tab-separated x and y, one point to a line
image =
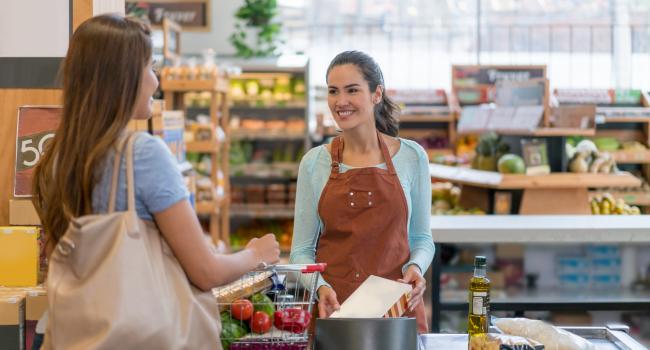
292	320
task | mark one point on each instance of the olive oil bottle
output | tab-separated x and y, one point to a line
479	299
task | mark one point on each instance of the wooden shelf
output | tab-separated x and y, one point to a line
489	179
632	157
275	211
425	118
257	109
210	207
266	135
218	85
542	132
432	152
422	133
203	146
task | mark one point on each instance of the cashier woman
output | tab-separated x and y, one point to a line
363	202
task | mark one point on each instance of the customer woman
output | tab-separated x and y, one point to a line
363	202
108	80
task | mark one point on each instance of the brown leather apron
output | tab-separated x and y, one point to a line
365	215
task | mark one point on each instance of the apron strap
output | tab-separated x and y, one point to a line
335	153
386	154
337	149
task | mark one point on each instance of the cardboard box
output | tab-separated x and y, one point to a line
23	213
19	256
35	306
12	320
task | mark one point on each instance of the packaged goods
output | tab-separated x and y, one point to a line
551	337
493	341
479	299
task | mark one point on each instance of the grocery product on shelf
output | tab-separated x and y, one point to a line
489	149
605	204
511	164
478	320
445	200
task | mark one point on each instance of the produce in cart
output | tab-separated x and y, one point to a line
280	296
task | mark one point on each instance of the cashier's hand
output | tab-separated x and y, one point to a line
327	302
413	276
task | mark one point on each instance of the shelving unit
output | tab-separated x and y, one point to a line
539	229
174	88
555	193
624	118
270	130
427	114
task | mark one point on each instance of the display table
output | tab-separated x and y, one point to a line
555	193
540	229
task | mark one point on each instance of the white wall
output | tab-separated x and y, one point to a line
222	25
34	28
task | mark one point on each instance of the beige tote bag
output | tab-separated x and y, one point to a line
114	283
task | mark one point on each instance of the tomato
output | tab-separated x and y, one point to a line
261	322
241	309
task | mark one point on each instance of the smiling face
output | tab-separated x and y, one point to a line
148	85
349	97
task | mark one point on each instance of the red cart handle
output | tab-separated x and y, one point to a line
314	268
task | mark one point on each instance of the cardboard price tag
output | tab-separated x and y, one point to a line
36	128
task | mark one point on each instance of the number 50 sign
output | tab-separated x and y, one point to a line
36	127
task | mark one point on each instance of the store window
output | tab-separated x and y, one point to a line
587	44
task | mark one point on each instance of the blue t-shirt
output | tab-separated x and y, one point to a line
412	167
158	181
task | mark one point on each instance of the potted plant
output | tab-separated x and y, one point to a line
256	16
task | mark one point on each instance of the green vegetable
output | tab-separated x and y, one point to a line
261	302
231	330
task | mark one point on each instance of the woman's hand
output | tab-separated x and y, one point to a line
266	249
327	302
413	276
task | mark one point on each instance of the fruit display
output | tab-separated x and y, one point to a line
605	204
587	158
511	164
489	149
445	199
466	146
280	91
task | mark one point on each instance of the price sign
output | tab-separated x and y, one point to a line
36	127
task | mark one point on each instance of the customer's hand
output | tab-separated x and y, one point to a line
327	302
413	276
266	249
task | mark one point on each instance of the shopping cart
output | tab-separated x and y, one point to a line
269	308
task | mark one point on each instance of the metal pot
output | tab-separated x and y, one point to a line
366	334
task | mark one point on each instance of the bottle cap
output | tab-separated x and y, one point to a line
480	261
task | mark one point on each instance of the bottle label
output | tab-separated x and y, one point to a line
479	303
477	306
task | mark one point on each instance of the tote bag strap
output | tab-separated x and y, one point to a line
125	148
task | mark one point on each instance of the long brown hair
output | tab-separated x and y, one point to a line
101	76
386	111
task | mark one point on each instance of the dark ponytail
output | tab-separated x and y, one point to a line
386	111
